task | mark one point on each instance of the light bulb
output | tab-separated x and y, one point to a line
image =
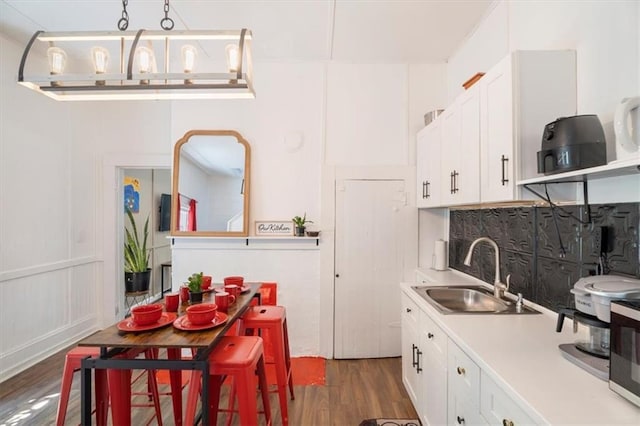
233	57
100	57
189	54
57	61
145	61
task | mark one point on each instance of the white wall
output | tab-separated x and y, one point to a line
606	38
52	221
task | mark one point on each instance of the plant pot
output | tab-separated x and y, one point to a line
195	297
137	281
300	231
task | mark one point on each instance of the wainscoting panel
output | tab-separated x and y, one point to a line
531	250
296	271
44	310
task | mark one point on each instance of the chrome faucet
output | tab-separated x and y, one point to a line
498	287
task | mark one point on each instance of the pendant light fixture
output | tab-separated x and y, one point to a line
123	65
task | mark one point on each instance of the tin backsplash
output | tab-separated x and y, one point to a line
545	255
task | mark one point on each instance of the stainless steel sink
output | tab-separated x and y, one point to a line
469	300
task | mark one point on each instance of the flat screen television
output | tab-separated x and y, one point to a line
165	213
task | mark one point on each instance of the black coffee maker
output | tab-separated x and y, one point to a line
598	336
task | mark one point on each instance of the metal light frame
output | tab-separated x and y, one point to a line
126	85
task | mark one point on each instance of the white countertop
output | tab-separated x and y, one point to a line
520	352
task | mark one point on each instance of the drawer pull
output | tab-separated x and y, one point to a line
461	371
460	420
430	335
507	422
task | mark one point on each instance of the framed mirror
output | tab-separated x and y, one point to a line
211	183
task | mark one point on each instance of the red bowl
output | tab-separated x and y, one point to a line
201	314
234	280
146	314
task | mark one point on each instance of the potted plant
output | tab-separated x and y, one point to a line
137	273
299	223
195	287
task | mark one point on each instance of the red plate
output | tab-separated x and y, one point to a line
243	289
183	323
128	325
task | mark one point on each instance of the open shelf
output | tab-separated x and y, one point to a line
618	168
266	241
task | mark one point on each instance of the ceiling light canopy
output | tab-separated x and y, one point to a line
130	65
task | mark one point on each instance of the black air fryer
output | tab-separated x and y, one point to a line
572	143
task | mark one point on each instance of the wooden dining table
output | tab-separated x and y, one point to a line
114	345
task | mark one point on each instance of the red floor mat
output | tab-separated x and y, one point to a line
307	371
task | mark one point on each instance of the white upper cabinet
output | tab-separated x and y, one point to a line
429	175
518	97
460	150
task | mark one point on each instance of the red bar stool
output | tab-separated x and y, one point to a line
72	363
269	293
120	391
271	322
241	358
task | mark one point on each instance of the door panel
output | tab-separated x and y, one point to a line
368	263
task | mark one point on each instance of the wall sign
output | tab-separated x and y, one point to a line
284	227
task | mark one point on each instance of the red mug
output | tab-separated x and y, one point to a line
232	289
184	294
238	280
206	282
171	302
224	300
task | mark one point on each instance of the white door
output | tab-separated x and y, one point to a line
368	266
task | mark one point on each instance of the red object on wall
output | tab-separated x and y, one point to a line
191	223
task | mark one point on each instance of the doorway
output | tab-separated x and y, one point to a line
142	190
111	303
369	265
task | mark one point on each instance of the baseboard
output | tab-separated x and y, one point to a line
29	354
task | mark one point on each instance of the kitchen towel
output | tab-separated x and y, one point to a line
440	255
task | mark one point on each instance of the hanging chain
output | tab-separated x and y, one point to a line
123	23
166	23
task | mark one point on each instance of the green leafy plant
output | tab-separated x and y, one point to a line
195	282
301	221
136	255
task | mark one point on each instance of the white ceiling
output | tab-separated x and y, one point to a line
364	31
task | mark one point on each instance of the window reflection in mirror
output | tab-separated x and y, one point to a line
210	195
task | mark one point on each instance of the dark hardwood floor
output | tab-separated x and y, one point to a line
355	390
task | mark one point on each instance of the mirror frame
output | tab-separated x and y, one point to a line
174	188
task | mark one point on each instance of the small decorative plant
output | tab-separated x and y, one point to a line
299	223
195	282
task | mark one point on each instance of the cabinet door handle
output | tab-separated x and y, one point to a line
451	183
460	420
413	355
507	422
460	371
430	335
408	309
424	189
504	160
418	368
427	187
455	181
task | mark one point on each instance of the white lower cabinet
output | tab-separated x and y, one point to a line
433	409
410	351
445	385
498	408
464	388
